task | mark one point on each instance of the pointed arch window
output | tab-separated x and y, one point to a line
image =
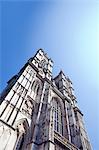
22	130
36	86
57	114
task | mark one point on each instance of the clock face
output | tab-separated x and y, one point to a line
43	64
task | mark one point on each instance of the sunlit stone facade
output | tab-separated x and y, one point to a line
39	112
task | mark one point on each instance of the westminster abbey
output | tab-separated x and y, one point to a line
39	112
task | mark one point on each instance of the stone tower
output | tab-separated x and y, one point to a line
39	112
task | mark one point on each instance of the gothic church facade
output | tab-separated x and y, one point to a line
39	112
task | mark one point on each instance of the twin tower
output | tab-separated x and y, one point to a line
39	112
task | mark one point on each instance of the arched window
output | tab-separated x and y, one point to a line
22	130
57	114
35	86
36	90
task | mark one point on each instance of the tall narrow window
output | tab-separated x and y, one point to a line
22	130
57	114
36	87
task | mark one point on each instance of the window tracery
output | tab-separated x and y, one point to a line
57	114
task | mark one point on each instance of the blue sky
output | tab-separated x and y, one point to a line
69	32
